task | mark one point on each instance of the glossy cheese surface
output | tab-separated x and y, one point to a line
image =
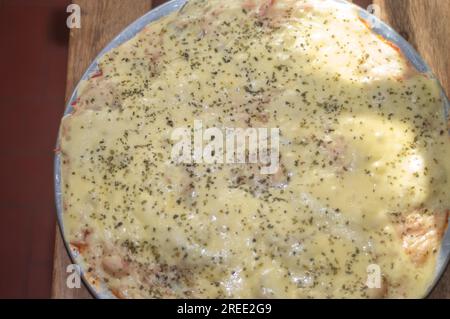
364	159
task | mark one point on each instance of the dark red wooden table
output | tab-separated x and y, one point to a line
33	63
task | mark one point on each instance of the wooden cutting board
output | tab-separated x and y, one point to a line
422	22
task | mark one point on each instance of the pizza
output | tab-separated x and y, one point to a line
358	202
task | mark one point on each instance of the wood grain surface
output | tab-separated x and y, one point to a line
422	22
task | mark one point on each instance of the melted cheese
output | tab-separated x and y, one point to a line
364	146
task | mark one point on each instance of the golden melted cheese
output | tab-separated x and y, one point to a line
364	176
